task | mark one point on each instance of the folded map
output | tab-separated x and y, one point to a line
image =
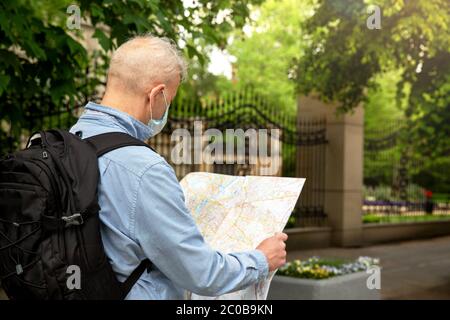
235	213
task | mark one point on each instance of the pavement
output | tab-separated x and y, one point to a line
416	269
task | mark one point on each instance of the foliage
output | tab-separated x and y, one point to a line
203	85
374	218
380	166
385	193
45	67
40	63
380	107
434	174
265	52
342	58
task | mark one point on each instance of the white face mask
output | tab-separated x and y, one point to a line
156	125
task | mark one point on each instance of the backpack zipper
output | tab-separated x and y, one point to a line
43	165
71	206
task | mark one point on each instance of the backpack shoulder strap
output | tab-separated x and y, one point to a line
145	264
110	141
105	143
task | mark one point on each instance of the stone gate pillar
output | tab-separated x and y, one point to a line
343	168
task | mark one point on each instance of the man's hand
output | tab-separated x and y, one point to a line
274	249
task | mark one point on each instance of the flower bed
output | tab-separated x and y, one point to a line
317	268
324	279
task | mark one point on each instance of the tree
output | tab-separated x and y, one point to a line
44	66
342	58
265	52
349	54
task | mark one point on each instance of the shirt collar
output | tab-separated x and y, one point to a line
131	125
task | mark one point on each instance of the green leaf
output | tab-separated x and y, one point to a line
97	12
34	50
4	80
104	41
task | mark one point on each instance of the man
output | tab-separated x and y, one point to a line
143	213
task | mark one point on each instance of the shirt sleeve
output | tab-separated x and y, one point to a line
169	237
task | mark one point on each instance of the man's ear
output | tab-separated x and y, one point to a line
155	91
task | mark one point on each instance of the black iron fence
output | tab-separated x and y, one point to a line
390	190
301	142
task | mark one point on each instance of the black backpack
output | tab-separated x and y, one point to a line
49	219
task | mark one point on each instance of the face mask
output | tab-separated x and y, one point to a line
157	125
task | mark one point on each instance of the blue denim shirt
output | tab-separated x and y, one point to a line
143	215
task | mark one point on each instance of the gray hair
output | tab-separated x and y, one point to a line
147	59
